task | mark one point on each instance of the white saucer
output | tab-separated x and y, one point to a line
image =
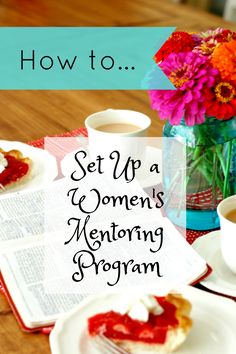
145	178
43	170
214	325
221	280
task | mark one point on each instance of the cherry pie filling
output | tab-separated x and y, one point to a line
121	327
15	170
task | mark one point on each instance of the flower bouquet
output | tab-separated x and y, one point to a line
202	110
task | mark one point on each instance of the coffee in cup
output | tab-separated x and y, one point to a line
231	215
117	128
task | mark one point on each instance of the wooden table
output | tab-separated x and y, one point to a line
28	115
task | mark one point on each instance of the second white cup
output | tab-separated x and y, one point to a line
228	232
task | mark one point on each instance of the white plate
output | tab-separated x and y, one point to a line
221	280
44	165
146	180
214	325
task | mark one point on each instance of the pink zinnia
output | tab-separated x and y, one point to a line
191	74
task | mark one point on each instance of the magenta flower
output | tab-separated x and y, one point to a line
190	73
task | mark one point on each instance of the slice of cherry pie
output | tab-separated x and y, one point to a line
14	168
161	333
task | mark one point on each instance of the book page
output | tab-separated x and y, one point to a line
22	214
23	273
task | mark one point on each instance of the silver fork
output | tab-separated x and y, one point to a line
108	346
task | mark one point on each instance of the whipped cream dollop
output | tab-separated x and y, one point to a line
138	307
3	163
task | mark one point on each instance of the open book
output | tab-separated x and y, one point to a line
21	262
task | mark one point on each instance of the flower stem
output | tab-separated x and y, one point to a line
220	157
226	181
193	167
214	175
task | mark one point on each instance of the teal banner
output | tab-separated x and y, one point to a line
82	58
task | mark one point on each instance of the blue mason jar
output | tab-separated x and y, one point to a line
210	169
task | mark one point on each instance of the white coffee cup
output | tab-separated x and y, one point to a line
100	140
112	116
228	232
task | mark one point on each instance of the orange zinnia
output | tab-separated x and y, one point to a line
224	59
